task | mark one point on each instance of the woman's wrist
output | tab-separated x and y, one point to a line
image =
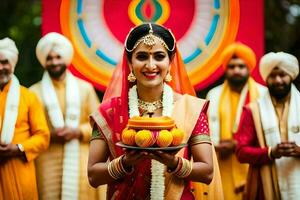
177	167
183	168
174	164
128	168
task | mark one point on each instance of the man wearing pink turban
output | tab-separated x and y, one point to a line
269	132
226	102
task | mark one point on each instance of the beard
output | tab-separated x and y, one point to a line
5	76
237	80
56	73
280	93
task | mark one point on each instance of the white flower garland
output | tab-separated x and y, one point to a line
157	188
157	169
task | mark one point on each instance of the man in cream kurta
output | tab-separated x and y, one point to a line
24	133
226	102
269	135
68	101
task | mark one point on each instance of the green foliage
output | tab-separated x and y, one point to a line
282	27
21	20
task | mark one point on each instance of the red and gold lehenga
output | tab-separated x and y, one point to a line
189	113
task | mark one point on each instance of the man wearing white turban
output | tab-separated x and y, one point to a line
269	135
68	101
24	133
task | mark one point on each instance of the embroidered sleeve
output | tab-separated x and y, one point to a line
201	131
96	134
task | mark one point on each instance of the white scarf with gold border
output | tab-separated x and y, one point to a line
288	168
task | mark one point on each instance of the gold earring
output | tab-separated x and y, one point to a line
131	77
168	77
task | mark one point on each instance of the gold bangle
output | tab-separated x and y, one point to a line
270	153
116	169
185	169
123	168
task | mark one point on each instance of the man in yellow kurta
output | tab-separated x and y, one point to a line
226	102
68	101
23	130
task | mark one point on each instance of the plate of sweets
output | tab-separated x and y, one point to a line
155	133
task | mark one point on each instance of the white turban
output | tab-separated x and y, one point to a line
57	43
284	61
9	50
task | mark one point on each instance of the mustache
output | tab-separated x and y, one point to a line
55	74
237	80
4	72
279	93
55	65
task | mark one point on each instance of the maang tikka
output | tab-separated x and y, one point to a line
150	40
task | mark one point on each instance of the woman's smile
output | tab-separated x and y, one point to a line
150	75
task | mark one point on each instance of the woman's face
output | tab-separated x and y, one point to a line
150	64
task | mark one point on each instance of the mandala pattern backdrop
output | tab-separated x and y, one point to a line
98	28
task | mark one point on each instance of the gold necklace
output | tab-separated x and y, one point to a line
149	107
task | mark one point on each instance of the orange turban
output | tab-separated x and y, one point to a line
241	51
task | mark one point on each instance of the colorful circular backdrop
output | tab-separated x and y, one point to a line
98	28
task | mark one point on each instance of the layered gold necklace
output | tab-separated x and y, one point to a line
149	107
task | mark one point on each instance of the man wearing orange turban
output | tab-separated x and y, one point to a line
226	102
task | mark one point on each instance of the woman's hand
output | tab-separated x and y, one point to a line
133	157
167	158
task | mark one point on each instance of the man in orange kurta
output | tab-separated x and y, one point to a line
23	130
